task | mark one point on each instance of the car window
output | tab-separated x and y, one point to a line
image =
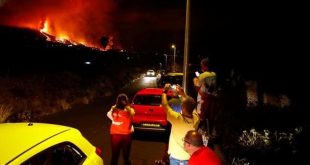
154	100
60	154
171	80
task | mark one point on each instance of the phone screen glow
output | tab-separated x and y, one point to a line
197	73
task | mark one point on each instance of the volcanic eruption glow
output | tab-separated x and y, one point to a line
68	22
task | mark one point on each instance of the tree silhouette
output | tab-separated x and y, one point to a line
104	41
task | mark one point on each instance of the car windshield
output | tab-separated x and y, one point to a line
171	80
154	100
147	100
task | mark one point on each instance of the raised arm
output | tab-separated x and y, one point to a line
164	101
109	114
196	84
181	91
130	110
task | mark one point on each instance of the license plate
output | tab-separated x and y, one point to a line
150	125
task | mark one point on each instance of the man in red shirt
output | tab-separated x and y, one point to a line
200	155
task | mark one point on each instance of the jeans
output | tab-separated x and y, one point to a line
174	161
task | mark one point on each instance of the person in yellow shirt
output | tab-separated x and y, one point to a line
205	85
182	122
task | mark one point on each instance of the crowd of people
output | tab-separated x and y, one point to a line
189	127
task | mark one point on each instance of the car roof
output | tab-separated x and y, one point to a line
153	91
16	138
150	91
174	74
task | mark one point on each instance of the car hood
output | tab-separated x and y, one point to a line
149	110
16	138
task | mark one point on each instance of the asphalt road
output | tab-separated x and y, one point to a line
92	121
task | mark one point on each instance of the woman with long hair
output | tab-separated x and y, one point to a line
121	128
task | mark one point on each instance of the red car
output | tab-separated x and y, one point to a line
149	114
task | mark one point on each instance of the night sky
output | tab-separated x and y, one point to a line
266	38
153	25
262	38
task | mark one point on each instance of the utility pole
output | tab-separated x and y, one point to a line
186	46
174	52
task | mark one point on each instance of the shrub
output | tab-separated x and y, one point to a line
5	112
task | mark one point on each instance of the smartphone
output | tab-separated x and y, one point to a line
197	73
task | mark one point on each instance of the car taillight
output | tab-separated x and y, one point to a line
99	152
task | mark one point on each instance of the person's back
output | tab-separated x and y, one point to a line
205	85
204	156
182	122
179	126
207	80
121	129
208	100
123	117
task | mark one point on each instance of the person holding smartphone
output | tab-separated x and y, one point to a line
205	85
181	122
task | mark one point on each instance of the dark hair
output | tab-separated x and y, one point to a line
205	62
119	101
189	104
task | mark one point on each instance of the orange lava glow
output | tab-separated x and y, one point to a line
70	21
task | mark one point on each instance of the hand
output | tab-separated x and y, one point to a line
196	81
167	87
128	107
180	90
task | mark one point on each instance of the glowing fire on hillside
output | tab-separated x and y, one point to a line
69	22
62	37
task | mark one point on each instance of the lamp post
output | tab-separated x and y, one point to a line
166	60
174	51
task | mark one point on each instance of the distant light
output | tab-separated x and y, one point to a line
87	62
148	79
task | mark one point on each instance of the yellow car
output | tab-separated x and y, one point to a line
45	144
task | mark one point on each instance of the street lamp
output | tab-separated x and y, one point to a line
165	60
174	51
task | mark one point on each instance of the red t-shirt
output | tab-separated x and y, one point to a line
204	156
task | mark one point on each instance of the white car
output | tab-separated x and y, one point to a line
45	144
150	73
